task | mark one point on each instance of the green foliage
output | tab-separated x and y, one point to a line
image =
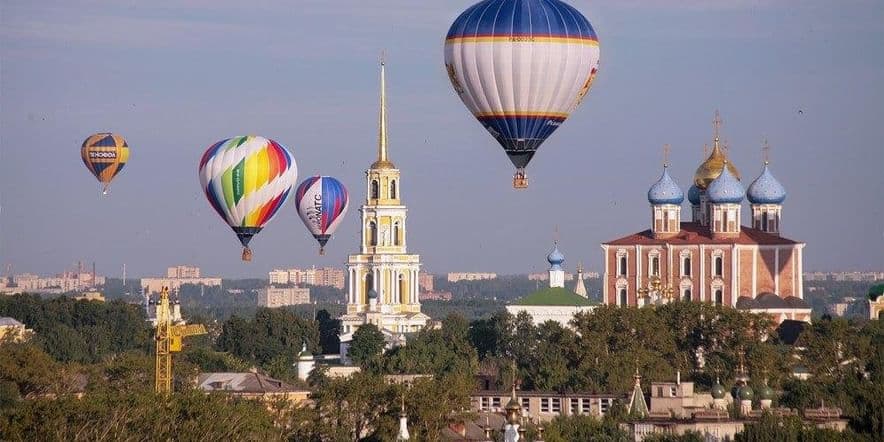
772	428
431	351
367	344
433	403
574	428
26	370
687	437
272	340
80	331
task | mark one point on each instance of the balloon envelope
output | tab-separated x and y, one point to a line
246	180
105	154
521	67
322	202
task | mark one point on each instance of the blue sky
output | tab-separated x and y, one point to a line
173	77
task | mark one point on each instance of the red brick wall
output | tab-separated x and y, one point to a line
786	285
765	269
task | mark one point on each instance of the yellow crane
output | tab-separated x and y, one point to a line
169	340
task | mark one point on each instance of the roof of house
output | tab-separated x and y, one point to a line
771	301
242	383
554	296
9	322
693	233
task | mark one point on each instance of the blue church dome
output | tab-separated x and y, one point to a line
726	189
555	259
694	195
665	191
766	189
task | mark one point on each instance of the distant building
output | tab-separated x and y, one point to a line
545	276
90	296
555	303
13	330
876	302
838	309
60	283
712	258
435	296
251	386
273	297
326	276
470	276
183	271
425	281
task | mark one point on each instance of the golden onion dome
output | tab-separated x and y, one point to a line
712	167
383	164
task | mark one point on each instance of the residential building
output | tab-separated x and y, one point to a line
470	276
273	297
183	271
251	386
326	276
425	281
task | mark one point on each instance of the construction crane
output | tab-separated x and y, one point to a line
169	340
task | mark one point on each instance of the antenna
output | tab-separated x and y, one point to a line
765	151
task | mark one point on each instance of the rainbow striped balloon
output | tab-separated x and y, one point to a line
105	154
322	202
246	180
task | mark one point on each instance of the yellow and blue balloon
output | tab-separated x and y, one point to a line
105	154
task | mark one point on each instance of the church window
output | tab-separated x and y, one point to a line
719	297
686	295
396	234
403	288
686	266
731	221
373	233
718	267
369	284
375	191
623	298
621	267
655	266
393	189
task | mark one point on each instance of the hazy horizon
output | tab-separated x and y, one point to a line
174	79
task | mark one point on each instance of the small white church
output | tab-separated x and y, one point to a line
555	303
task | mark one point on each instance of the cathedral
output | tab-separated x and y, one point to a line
713	257
383	277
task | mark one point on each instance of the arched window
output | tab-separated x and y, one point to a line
375	191
719	297
369	284
622	267
623	298
764	221
686	295
686	266
718	269
396	234
655	266
393	189
373	233
403	289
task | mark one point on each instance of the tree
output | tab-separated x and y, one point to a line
579	427
771	428
368	342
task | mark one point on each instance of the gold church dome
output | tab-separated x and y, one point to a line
712	167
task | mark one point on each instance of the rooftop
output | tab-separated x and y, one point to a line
554	296
242	383
694	233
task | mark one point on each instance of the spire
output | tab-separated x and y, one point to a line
716	127
765	151
579	288
403	424
637	405
383	162
666	151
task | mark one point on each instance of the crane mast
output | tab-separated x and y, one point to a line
169	339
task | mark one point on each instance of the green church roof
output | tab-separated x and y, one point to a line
554	296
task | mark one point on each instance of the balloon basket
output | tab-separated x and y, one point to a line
322	251
246	254
520	180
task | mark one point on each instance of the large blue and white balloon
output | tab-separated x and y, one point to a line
521	67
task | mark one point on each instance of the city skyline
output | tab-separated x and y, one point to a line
787	72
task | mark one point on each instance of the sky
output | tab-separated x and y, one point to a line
174	77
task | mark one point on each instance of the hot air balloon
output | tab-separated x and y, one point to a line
322	202
246	180
521	67
105	154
